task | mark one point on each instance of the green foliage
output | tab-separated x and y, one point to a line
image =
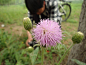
3	38
78	62
65	54
12	14
2	2
6	41
33	55
11	52
14	53
59	50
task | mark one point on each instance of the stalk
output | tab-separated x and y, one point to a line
65	54
42	56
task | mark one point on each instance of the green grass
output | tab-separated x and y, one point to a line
12	13
75	14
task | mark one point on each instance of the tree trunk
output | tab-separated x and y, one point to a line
78	51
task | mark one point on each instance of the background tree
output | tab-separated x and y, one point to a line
78	51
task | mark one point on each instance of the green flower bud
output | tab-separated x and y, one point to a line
30	49
27	23
77	37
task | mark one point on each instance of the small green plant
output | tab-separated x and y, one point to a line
11	52
59	50
14	53
5	44
3	38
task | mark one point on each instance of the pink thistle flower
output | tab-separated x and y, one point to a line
48	33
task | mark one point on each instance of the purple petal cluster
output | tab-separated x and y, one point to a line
48	33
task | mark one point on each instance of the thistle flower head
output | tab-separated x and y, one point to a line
48	33
27	23
77	37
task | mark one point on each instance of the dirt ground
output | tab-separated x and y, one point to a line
13	28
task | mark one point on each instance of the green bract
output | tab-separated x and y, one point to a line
77	37
30	49
27	23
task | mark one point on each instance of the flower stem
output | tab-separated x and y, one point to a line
42	56
65	54
36	45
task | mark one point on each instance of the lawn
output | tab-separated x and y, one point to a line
13	36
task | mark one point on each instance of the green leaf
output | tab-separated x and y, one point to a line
17	55
78	62
33	55
19	63
7	62
37	62
1	59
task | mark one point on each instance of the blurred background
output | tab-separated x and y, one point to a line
13	35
